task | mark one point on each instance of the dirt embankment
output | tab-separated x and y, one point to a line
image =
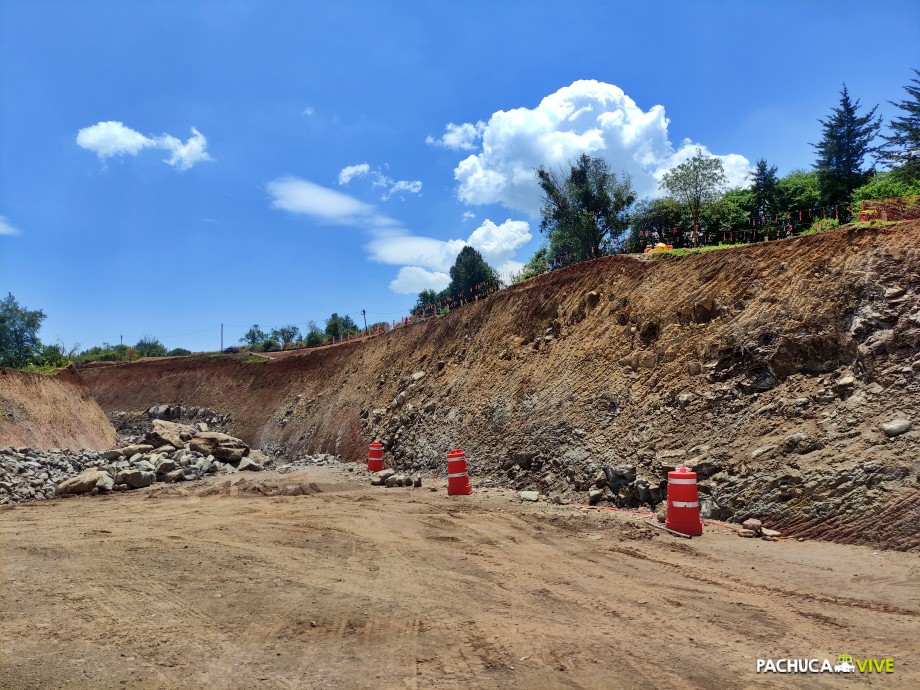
45	412
768	368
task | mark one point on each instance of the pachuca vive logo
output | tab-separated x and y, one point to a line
845	664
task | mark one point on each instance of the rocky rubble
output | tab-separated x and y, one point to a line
27	474
170	452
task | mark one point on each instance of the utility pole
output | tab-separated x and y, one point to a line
364	314
121	341
222	337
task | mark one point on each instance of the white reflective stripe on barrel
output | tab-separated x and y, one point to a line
461	474
681	481
685	504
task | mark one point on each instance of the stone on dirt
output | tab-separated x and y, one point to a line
770	532
248	465
896	427
595	496
529	495
753	524
749	534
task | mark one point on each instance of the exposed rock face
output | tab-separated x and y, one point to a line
221	446
710	357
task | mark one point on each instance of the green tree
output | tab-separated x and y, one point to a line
764	189
148	346
19	327
696	183
286	334
798	191
536	265
426	298
654	220
886	185
585	210
845	141
730	214
178	352
314	335
254	335
901	149
339	327
468	271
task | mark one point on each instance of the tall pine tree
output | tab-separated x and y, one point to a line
901	150
846	139
764	189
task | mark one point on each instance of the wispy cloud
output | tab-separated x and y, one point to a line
309	110
108	139
349	172
390	186
6	228
424	260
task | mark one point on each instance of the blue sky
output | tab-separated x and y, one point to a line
169	166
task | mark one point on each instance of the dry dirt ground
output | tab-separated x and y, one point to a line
318	580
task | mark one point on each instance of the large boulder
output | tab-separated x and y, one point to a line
221	446
85	482
169	434
136	479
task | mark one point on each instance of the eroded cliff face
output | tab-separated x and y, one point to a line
768	368
44	412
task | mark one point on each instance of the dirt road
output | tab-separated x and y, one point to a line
348	586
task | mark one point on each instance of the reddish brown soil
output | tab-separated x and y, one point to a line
345	586
50	412
607	384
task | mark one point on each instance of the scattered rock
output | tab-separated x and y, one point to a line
753	524
771	533
595	496
896	427
247	465
529	495
746	533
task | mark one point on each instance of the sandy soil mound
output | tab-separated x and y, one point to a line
771	369
45	412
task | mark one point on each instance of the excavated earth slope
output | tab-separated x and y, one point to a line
768	368
45	412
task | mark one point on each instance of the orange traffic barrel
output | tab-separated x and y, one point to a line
458	479
375	457
683	503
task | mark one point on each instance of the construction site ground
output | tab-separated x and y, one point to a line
316	579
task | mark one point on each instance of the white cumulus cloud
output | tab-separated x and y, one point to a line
458	137
413	279
468	215
349	172
309	110
108	139
588	116
6	228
